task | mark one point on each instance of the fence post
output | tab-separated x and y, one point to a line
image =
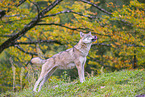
134	65
14	73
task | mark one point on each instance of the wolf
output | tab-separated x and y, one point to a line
69	59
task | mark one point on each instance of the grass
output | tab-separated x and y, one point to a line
116	84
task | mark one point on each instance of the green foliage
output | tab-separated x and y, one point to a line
65	77
121	84
123	31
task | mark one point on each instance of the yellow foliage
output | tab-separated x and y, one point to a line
118	32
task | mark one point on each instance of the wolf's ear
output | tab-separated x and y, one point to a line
81	34
90	33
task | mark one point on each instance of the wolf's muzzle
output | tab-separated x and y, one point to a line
94	39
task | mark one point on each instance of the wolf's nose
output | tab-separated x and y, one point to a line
95	37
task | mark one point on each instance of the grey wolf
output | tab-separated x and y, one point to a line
74	57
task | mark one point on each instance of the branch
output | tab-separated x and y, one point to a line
21	49
134	45
66	11
6	35
102	44
101	63
3	12
16	20
34	42
94	5
90	17
63	26
40	41
28	38
69	11
109	45
50	15
33	23
37	6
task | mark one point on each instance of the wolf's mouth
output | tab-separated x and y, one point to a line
94	39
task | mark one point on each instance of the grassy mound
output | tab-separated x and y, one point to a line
117	84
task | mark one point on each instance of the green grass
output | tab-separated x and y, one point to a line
117	84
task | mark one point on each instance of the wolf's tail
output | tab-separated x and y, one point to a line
38	61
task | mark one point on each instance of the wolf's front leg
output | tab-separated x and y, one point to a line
80	68
83	71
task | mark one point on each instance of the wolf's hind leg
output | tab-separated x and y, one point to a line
49	73
43	73
38	81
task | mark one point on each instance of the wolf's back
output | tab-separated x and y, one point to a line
38	61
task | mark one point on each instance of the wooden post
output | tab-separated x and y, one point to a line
134	63
14	73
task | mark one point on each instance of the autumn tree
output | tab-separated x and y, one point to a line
31	28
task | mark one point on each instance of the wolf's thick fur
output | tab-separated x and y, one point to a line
68	59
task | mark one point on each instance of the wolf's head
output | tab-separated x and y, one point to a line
88	38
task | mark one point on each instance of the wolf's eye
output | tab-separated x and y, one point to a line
88	36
